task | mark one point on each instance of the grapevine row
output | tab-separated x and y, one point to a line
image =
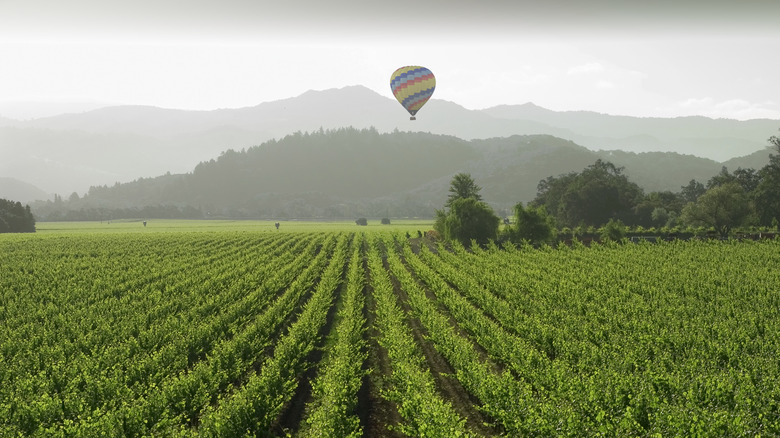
424	412
332	411
254	407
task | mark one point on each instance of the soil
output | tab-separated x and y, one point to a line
293	414
375	412
416	242
444	375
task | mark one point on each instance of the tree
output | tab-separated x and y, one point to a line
362	221
723	177
692	191
747	178
385	221
767	192
661	217
532	224
550	191
722	207
463	186
15	218
657	208
614	230
468	219
593	197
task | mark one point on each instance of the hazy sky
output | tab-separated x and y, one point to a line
647	58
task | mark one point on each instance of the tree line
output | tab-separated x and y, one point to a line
15	218
602	196
601	192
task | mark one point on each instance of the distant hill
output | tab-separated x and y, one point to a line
15	190
717	139
352	172
756	160
26	110
72	152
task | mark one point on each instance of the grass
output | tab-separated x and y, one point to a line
178	225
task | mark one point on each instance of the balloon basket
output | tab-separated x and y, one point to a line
413	118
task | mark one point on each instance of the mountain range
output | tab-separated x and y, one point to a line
72	152
348	173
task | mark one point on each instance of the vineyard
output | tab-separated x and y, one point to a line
224	334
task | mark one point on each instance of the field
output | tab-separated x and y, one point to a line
234	329
182	225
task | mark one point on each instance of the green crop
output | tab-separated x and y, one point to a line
235	331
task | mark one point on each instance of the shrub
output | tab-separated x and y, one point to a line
614	230
468	219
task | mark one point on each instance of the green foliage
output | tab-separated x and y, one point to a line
614	231
212	334
722	207
593	379
256	406
593	197
692	191
463	186
439	222
467	220
332	410
329	173
467	217
532	224
412	386
658	209
15	218
767	192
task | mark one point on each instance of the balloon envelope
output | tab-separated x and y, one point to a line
412	86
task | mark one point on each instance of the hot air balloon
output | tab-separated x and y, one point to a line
412	86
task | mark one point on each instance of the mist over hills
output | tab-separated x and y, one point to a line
717	139
20	191
291	145
72	152
351	172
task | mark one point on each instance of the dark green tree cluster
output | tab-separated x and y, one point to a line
722	207
532	225
15	218
766	195
745	197
334	174
601	193
466	217
592	197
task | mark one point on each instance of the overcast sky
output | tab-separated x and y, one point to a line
715	58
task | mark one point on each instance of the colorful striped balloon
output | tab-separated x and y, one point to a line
412	86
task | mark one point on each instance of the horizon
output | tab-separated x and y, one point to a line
668	59
24	111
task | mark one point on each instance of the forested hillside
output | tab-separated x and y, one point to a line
348	173
71	152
